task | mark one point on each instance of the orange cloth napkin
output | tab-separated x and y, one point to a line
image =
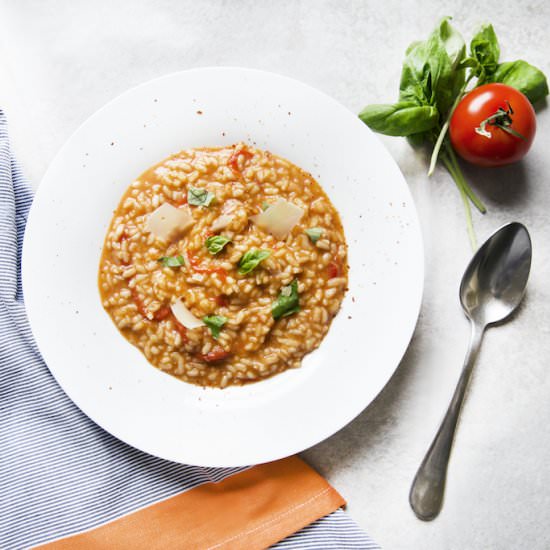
251	509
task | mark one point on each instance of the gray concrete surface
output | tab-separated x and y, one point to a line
62	60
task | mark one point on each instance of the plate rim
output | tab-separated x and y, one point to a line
26	278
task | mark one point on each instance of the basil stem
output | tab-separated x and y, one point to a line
445	127
469	224
467	189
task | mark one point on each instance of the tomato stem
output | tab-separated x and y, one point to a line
501	119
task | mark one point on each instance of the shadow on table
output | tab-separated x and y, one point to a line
504	186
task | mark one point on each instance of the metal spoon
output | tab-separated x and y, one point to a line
491	289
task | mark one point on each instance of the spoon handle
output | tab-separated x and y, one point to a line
426	496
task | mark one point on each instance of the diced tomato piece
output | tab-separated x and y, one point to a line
217	354
233	161
222	300
333	270
192	259
221	272
162	313
181	329
180	202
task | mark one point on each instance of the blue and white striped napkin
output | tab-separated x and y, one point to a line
59	472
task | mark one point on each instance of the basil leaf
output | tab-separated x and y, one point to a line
199	197
314	233
172	261
413	86
446	78
485	50
215	324
452	42
216	243
431	73
251	260
524	77
265	206
400	119
287	303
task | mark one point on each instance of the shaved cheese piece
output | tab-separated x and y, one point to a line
279	219
184	316
222	222
168	222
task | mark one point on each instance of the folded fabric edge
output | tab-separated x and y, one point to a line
251	509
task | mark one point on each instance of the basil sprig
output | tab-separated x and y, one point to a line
199	197
435	75
215	324
216	243
251	260
172	261
287	303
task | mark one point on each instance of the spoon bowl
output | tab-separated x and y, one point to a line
494	282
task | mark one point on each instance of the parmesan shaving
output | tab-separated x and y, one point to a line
279	219
168	222
184	316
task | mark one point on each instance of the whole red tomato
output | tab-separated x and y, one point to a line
493	125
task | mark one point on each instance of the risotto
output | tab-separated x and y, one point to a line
224	265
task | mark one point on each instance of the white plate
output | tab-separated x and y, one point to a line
110	380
